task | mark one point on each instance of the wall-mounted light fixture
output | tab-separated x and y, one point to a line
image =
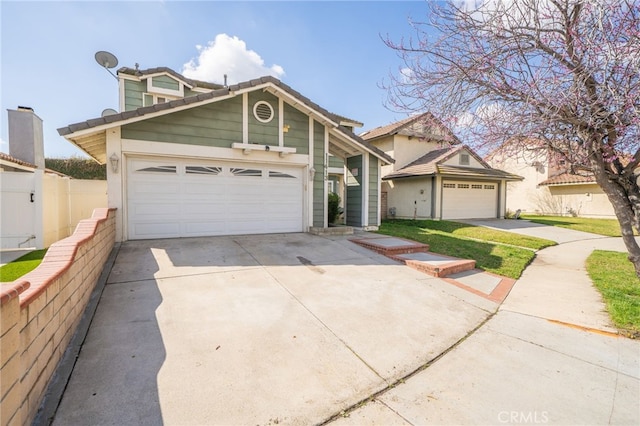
114	160
312	173
285	128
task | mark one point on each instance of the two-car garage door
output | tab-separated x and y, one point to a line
469	200
169	198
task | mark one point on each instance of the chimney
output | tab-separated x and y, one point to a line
26	141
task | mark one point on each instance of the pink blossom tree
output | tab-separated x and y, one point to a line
561	74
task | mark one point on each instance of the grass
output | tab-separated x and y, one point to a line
607	227
21	266
614	276
500	252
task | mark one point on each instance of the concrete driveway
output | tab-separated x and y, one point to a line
257	330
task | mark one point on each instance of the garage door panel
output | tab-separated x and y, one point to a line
469	200
212	198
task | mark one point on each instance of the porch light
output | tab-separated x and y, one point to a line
312	173
114	160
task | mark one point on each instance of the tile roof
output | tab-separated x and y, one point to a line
11	159
429	165
406	124
568	179
201	97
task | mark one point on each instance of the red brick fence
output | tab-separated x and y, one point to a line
40	312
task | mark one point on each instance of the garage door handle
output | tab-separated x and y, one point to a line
31	196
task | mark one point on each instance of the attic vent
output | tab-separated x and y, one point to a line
464	159
263	112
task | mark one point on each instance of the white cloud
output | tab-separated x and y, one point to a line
408	76
4	146
228	55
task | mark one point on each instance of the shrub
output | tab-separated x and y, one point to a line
333	209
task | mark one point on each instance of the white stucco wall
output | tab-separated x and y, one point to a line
411	197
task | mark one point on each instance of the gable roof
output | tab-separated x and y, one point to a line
408	126
84	134
164	70
430	165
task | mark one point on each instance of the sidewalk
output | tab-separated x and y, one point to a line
549	356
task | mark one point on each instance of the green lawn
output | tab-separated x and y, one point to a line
500	252
608	227
19	267
614	276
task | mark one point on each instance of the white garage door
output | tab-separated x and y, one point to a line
469	200
181	198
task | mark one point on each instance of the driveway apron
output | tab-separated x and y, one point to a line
284	328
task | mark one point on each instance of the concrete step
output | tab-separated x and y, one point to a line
391	246
436	265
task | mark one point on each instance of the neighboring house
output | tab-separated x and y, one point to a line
548	186
189	158
39	206
434	175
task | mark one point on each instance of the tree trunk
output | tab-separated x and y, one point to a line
623	209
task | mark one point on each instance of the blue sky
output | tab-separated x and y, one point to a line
331	52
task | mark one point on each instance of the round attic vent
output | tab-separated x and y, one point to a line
263	111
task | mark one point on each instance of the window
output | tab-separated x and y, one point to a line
330	186
464	159
263	111
273	174
152	99
463	185
476	186
158	169
246	172
489	187
203	170
449	185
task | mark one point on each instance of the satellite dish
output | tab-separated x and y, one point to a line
108	111
106	59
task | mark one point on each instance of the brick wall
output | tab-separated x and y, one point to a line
40	312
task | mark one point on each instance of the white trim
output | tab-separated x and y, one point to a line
121	100
365	190
255	112
280	122
158	74
149	148
325	176
245	118
247	148
295	102
335	170
380	192
310	185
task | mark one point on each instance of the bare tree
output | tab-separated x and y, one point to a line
565	73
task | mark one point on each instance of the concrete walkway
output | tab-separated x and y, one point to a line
549	356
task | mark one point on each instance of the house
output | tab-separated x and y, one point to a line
549	187
189	158
39	206
434	175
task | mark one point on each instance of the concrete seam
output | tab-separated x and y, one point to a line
60	379
402	380
315	316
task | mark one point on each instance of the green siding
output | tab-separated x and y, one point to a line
354	191
373	190
263	133
298	135
165	82
133	91
336	162
217	124
319	178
